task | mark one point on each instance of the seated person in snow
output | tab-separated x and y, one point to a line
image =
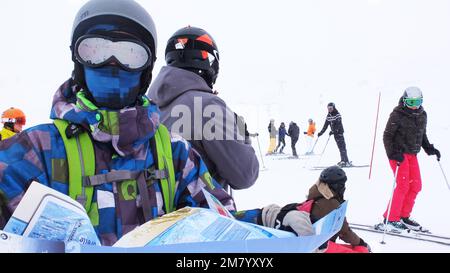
132	169
325	196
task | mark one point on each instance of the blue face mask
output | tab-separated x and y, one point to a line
112	87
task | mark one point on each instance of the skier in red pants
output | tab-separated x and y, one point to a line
403	138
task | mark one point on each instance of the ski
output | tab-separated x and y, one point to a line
345	167
292	157
445	242
416	233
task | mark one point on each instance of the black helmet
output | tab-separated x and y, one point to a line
331	104
194	49
335	177
129	16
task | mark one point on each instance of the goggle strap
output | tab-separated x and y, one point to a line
191	45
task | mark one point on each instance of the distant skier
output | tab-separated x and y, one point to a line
241	123
403	137
334	120
293	133
281	137
310	136
13	119
326	195
273	137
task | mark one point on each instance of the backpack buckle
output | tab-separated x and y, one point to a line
152	174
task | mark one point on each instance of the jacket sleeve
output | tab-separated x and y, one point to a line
425	142
322	208
347	235
389	134
191	175
21	162
325	127
235	161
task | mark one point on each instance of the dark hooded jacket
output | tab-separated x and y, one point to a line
334	120
293	131
231	162
406	131
322	206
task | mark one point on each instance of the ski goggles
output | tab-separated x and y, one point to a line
96	51
413	102
19	120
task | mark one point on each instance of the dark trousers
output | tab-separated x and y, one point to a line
280	141
293	142
340	141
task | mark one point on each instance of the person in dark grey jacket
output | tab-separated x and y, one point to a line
189	107
293	133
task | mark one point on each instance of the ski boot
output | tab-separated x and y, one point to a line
344	164
411	224
392	226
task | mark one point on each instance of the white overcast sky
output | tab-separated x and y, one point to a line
271	51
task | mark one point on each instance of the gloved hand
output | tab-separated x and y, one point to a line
305	133
397	157
362	243
433	151
319	134
288	218
331	133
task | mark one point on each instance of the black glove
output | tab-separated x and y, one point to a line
319	134
433	151
364	244
331	133
305	133
397	157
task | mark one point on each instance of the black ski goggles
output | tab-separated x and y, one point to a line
96	51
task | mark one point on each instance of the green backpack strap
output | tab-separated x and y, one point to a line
81	162
165	163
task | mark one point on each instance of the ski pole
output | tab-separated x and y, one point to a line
314	146
390	203
443	173
260	154
375	135
320	159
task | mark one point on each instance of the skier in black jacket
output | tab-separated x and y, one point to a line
334	119
294	133
403	138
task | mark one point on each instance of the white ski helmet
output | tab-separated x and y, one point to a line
412	97
412	93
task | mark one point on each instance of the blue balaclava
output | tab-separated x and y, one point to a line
110	86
